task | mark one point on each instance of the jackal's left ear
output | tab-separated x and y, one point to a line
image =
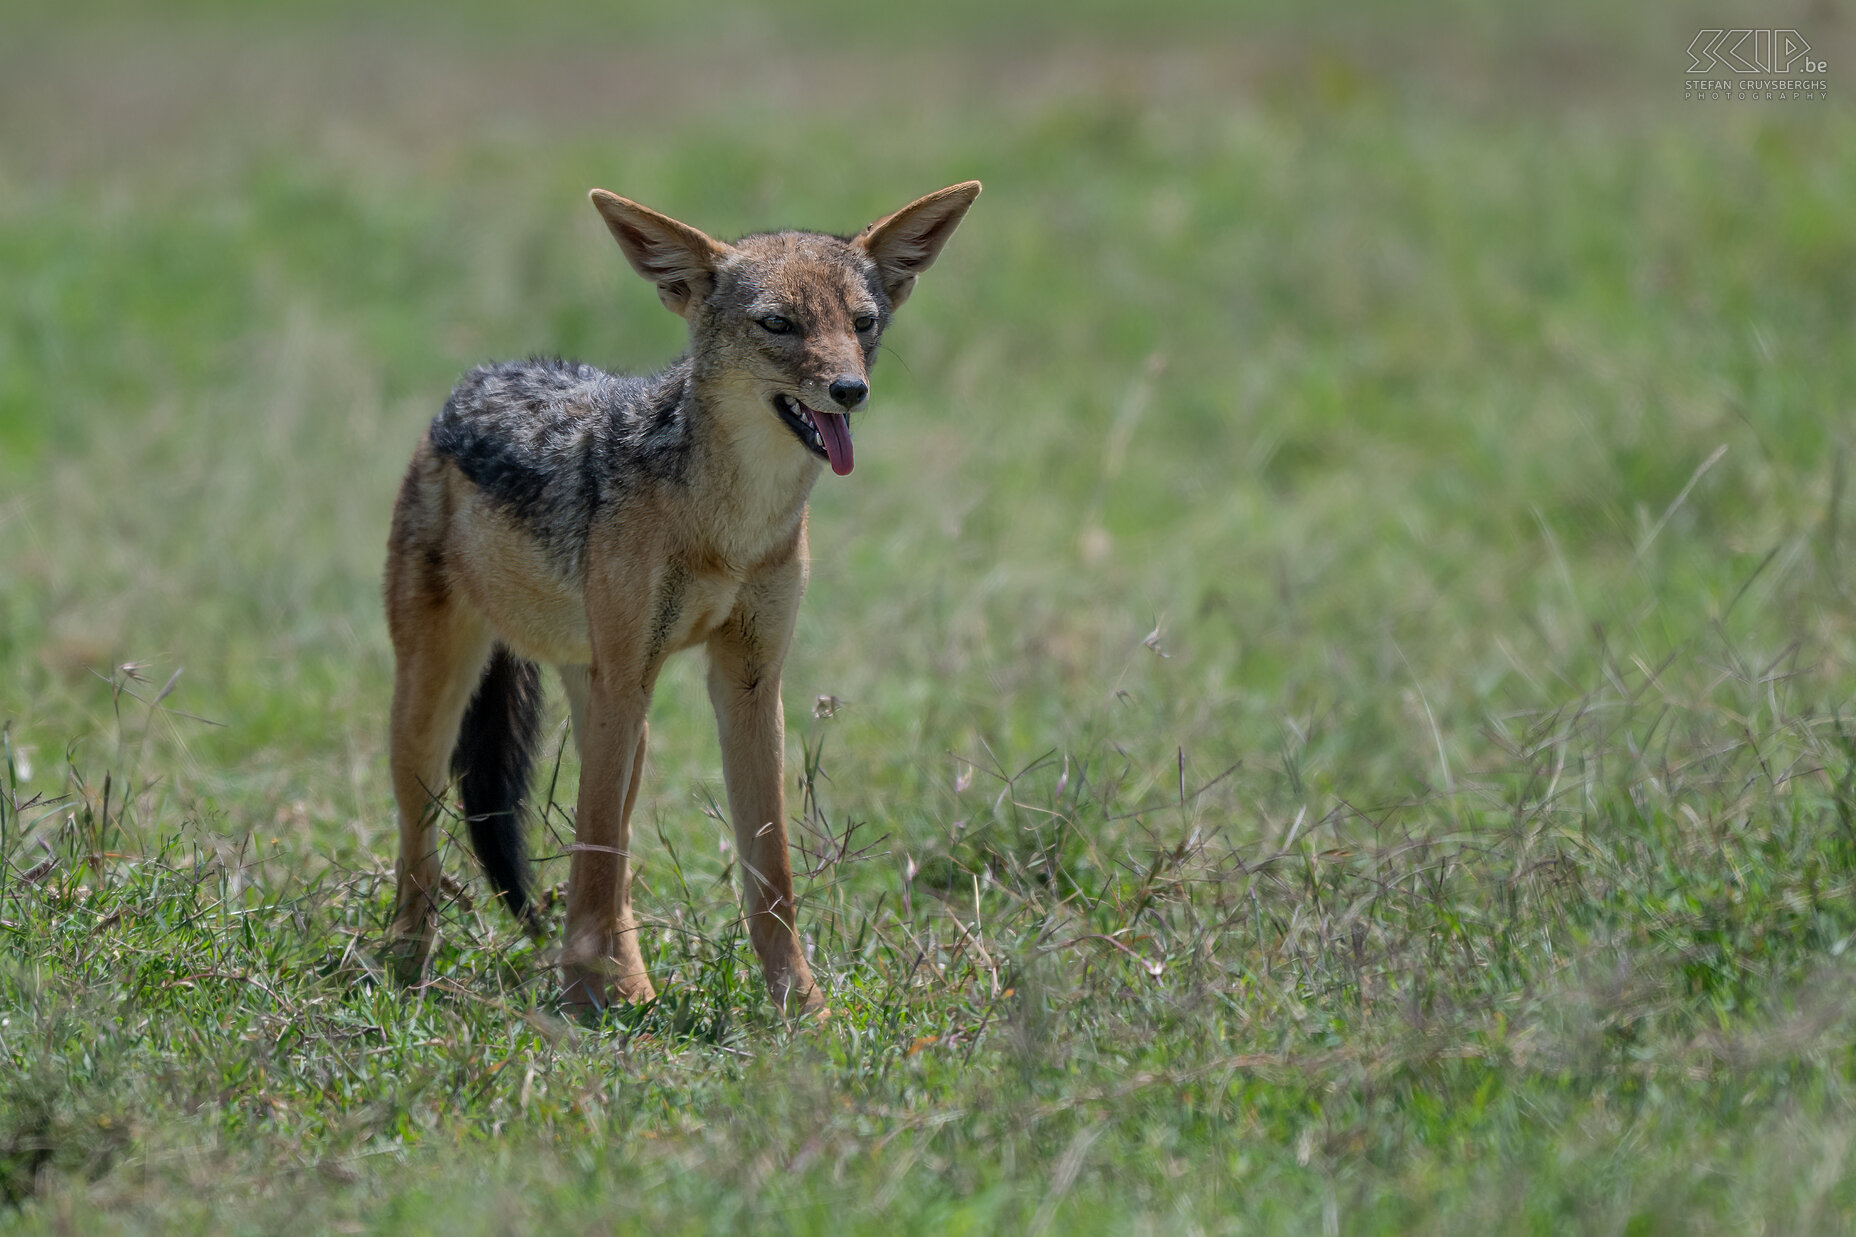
906	243
674	256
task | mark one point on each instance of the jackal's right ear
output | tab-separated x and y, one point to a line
674	256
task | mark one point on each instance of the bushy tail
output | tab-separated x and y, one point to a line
496	749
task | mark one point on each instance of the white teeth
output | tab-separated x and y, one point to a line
804	416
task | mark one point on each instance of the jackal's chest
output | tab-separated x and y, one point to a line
703	602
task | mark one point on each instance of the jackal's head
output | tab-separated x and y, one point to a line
787	323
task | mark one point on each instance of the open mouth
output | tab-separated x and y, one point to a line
825	434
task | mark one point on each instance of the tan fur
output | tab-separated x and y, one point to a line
715	557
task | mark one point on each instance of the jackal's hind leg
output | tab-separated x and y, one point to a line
440	649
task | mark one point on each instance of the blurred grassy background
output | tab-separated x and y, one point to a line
1295	334
1458	415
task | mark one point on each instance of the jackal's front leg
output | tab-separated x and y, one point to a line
600	958
745	658
626	603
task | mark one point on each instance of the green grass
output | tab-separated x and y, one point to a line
1343	622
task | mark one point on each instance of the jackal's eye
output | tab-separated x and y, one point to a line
775	324
863	322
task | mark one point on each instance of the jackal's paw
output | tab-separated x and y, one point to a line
635	990
801	1001
408	948
587	992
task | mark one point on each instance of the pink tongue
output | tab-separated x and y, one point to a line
836	431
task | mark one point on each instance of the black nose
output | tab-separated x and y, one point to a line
849	392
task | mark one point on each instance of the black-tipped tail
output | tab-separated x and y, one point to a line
495	751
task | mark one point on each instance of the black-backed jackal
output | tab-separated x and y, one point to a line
601	522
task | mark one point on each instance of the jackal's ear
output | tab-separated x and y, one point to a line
906	243
674	256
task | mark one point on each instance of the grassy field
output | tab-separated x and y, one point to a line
1325	706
